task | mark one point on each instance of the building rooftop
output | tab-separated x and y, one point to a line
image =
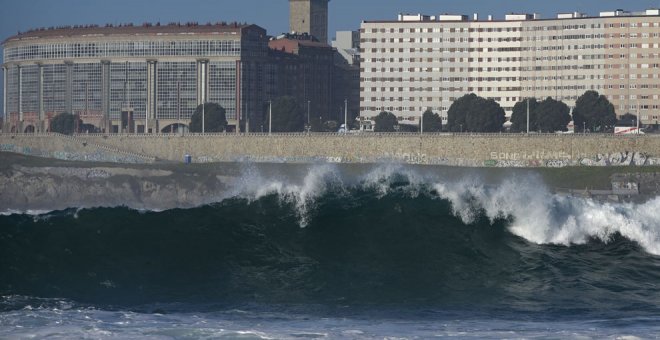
405	17
131	29
293	41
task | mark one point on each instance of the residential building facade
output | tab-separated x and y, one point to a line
419	62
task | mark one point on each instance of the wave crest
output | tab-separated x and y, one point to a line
545	218
534	213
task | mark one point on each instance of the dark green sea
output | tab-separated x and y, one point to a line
392	252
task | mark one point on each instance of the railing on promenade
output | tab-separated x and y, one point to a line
371	135
336	134
84	142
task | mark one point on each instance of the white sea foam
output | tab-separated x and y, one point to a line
383	177
25	212
90	323
537	215
253	186
545	218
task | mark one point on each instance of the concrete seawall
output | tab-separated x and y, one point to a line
489	150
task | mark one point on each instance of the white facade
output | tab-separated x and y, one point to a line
411	65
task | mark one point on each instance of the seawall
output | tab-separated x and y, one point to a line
482	150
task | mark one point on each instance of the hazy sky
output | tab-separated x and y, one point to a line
21	15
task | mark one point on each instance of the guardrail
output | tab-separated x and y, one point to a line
84	142
108	148
336	134
368	134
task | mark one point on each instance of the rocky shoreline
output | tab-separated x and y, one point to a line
39	184
36	184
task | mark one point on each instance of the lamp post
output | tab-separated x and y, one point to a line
270	117
584	128
461	128
247	117
308	105
528	115
203	118
346	116
421	124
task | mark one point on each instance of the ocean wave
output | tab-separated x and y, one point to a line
536	214
544	218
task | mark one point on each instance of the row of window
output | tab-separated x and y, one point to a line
439	40
81	88
123	49
506	29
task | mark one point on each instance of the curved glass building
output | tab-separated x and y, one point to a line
147	78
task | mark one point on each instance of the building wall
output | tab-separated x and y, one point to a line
98	76
632	65
408	66
463	150
304	69
309	16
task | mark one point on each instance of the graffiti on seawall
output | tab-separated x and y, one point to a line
94	156
620	159
612	159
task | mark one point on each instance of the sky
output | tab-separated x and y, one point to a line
21	15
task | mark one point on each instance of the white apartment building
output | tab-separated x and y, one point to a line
420	61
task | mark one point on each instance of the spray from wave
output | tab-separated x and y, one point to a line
331	235
535	214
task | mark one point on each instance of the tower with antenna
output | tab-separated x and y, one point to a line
309	16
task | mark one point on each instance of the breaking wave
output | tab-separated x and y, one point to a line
384	235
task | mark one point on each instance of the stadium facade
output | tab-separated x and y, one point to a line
147	78
419	61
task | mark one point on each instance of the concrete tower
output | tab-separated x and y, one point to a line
309	16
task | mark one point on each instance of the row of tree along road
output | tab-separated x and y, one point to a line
287	116
593	112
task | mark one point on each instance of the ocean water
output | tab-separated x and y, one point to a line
389	252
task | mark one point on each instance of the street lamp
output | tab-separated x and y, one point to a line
584	128
346	116
270	117
528	115
203	117
421	124
308	104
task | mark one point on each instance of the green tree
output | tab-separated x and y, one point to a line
65	123
288	116
457	114
432	121
552	115
475	114
593	111
519	115
385	122
215	119
628	119
89	128
408	128
486	116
